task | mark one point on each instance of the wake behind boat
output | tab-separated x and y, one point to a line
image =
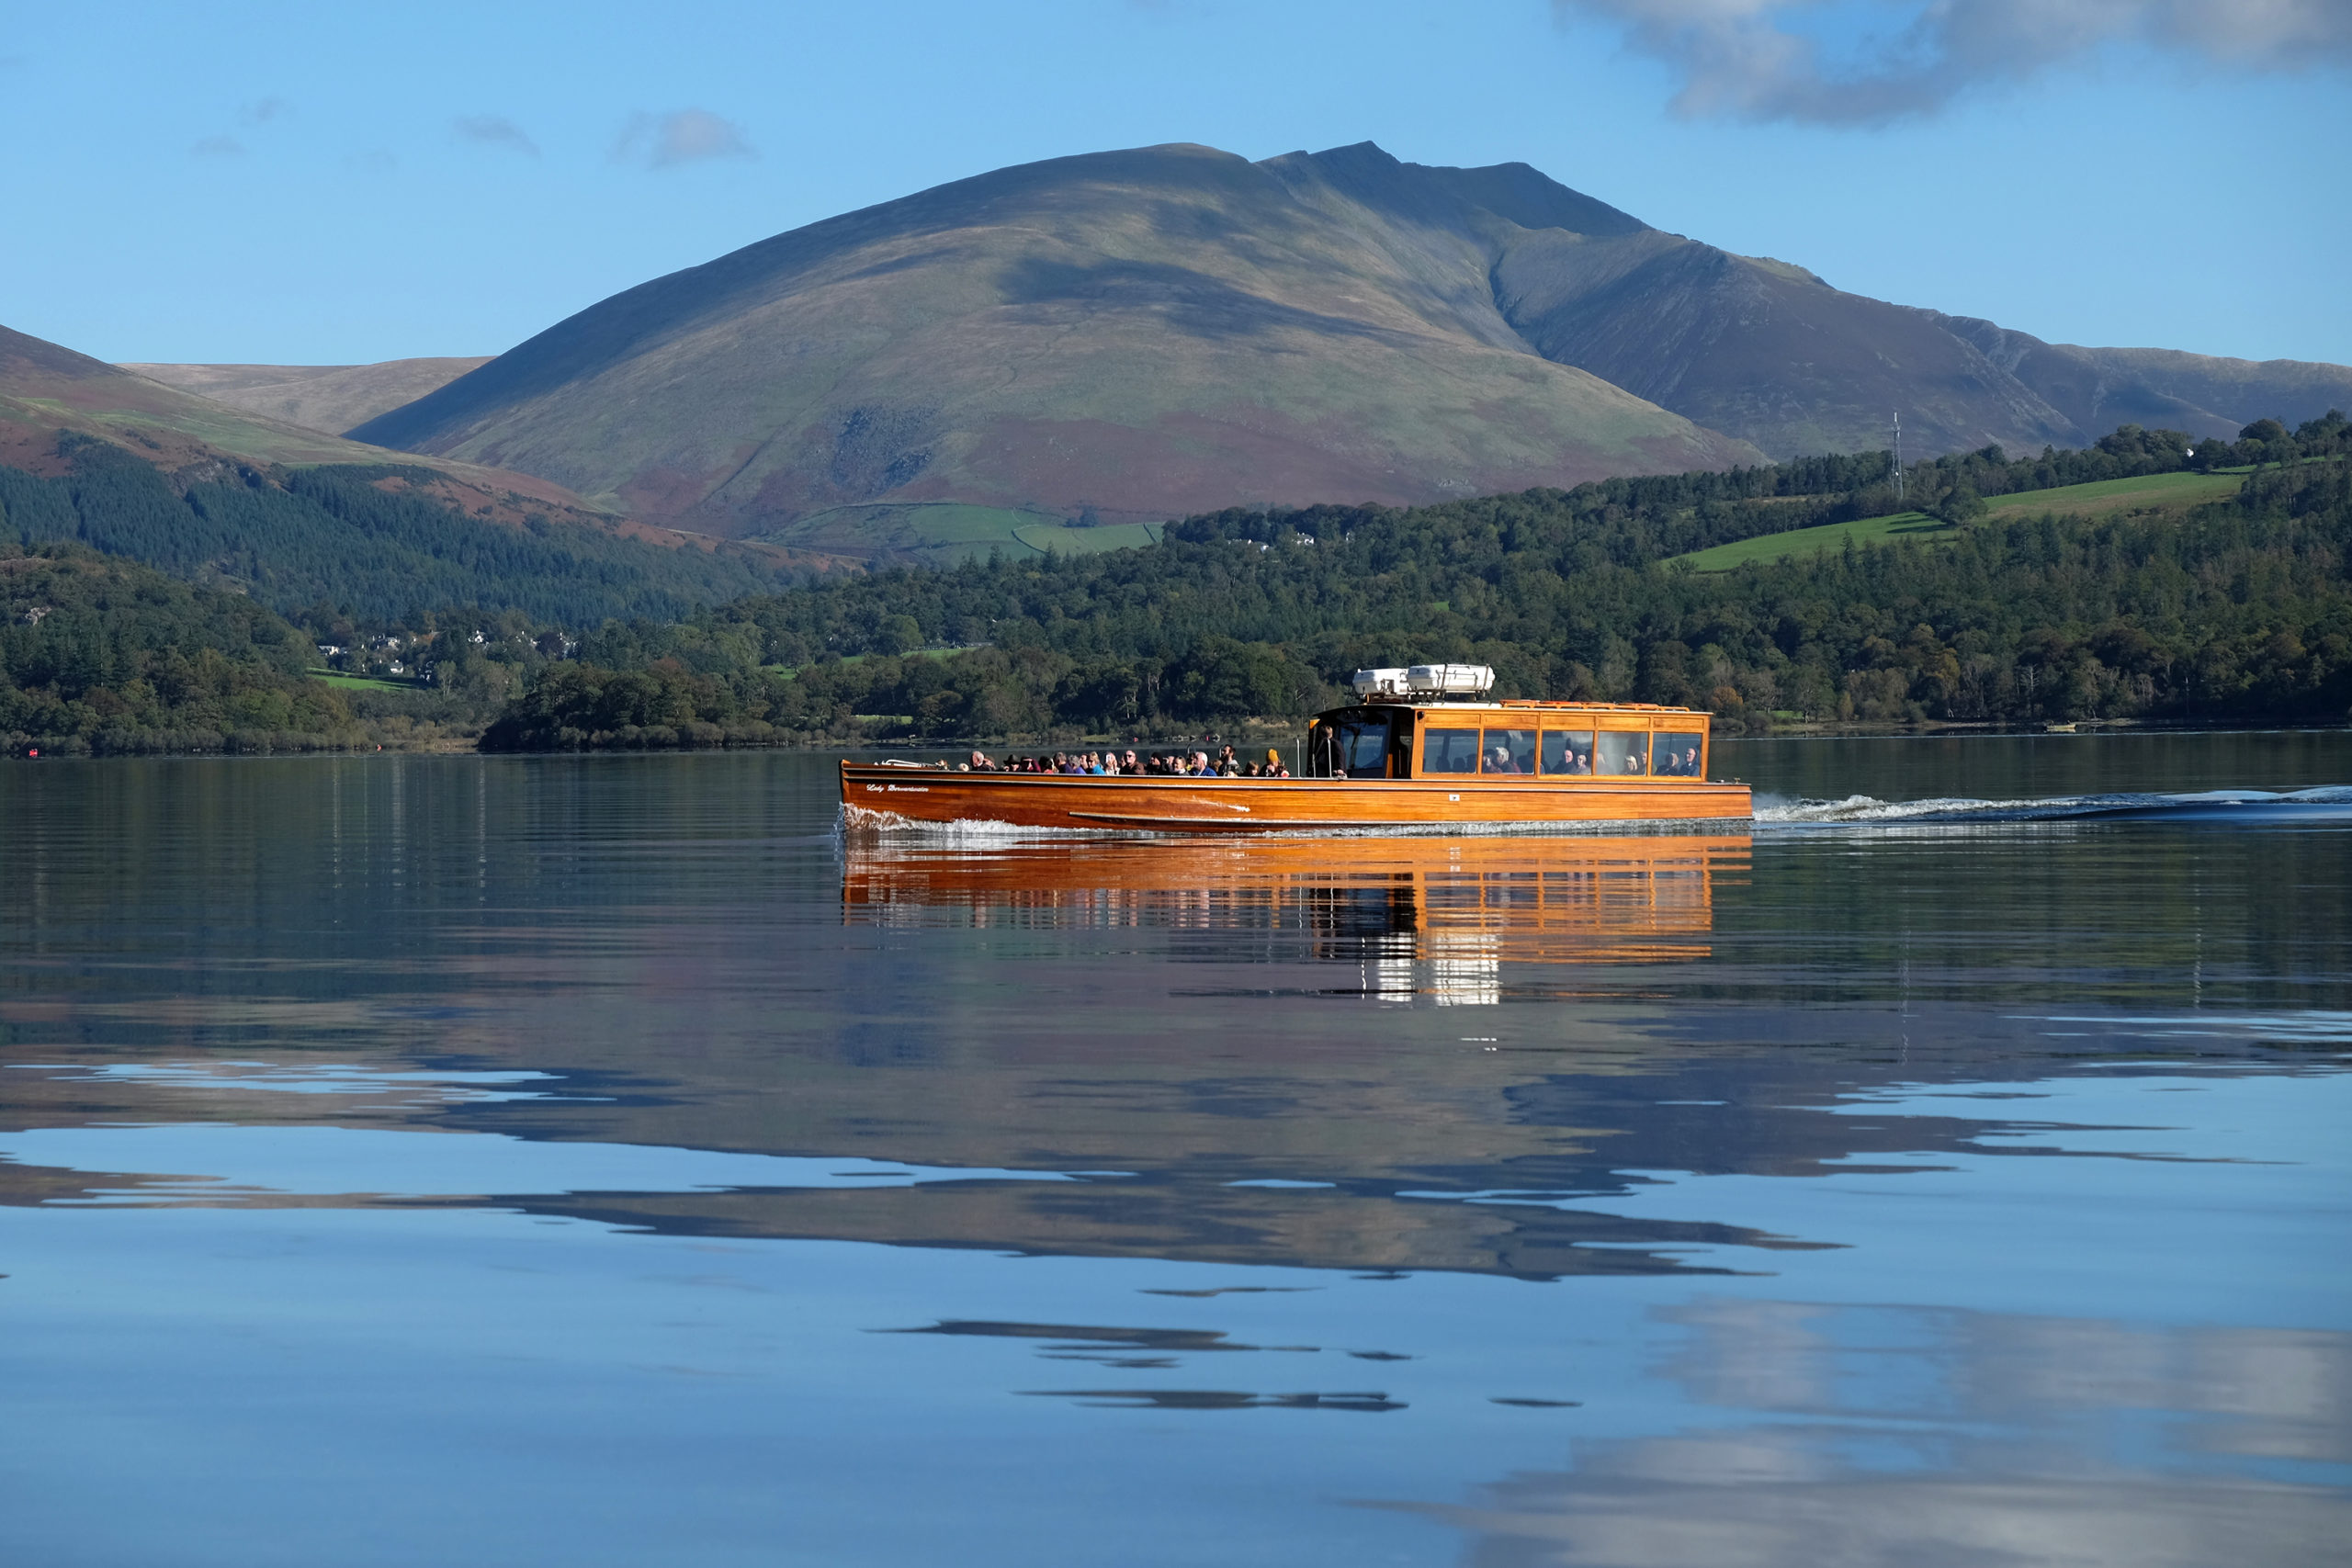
1423	749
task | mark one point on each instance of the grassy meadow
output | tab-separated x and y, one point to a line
943	534
2175	491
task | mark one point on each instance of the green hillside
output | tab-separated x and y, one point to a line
1917	526
2148	492
942	533
374	542
2145	493
2234	610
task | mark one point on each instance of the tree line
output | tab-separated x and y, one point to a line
2240	610
107	656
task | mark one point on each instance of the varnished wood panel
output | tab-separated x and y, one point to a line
1229	805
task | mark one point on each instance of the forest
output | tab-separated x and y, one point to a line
2234	611
2238	610
333	540
107	656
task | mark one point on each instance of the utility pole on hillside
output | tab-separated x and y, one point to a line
1898	459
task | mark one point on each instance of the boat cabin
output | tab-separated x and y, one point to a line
1434	722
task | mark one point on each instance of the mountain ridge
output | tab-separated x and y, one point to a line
1155	332
1145	334
327	398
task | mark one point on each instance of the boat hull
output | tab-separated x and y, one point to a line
882	795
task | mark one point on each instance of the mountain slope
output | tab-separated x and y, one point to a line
45	389
295	517
330	398
1142	333
2097	388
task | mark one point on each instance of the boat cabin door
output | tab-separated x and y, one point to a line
1359	744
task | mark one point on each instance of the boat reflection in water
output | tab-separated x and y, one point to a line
1435	917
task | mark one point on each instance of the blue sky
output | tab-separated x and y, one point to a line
327	184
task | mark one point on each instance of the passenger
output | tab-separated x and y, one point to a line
1228	763
980	763
1274	764
1130	765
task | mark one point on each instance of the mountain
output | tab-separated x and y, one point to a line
296	517
318	397
2160	389
1145	333
46	389
1141	334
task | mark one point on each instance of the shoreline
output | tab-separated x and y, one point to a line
460	746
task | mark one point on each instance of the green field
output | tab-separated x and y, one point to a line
2116	495
945	532
1812	541
787	672
2151	490
366	683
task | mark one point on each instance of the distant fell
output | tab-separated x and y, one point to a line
330	398
295	517
1134	335
46	388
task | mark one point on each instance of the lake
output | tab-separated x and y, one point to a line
599	1160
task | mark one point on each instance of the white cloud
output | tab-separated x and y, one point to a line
684	136
495	130
1759	59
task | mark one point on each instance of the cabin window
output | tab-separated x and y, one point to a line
1679	754
1507	751
1449	751
1567	752
1620	754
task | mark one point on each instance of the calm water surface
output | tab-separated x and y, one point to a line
599	1161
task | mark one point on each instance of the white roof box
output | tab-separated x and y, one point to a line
1450	680
1426	681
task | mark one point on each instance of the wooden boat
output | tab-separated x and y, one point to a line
1410	757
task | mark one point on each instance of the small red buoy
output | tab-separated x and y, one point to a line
34	752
